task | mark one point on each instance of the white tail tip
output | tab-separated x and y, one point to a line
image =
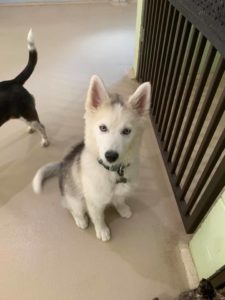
37	182
30	40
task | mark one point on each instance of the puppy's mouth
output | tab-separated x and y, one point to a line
106	163
110	163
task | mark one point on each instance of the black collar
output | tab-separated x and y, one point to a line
116	168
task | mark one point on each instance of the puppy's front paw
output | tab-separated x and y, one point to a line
103	234
124	211
44	143
82	222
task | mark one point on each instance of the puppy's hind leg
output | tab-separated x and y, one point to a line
77	208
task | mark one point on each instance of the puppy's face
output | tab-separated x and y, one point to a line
114	126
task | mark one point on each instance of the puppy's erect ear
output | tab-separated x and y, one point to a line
97	94
140	99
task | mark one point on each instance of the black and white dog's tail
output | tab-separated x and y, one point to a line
28	70
44	173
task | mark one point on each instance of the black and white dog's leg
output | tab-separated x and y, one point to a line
30	129
31	117
36	125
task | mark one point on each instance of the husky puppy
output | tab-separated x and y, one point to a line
16	102
103	169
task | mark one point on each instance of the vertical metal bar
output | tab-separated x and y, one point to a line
156	87
149	35
144	31
217	151
180	89
166	65
204	76
218	113
185	100
142	40
202	116
158	20
210	194
152	40
173	59
159	51
178	66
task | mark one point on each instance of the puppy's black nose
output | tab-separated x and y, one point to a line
111	156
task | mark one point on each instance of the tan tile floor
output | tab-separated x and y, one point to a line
43	255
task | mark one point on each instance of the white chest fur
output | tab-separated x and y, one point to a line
97	182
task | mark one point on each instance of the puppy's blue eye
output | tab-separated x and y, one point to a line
126	131
103	128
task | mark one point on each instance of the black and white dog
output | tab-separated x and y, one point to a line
16	102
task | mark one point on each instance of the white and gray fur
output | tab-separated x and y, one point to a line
88	187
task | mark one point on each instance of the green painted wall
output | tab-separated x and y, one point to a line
208	243
138	30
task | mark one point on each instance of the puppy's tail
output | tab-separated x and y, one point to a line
25	74
44	173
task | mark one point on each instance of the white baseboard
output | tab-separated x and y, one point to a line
191	273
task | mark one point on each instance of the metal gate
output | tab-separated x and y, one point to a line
182	54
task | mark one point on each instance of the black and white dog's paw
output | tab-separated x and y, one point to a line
30	129
45	143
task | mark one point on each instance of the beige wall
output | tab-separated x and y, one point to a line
51	1
138	30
